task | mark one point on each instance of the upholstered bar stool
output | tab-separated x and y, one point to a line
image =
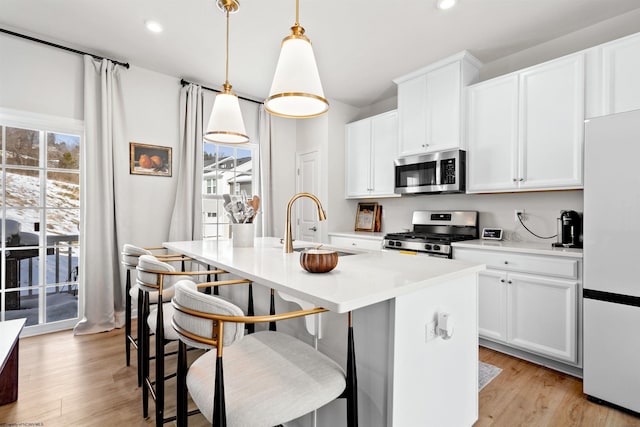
156	275
269	378
130	254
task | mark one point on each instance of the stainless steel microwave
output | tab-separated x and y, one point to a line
438	172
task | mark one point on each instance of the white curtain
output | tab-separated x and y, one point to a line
99	262
186	220
266	188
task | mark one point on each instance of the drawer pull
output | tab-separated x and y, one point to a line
501	280
509	282
506	262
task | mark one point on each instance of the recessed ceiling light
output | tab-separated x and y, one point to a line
445	4
153	26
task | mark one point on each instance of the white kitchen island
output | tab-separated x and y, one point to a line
406	376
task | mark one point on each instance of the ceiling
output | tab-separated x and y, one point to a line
360	45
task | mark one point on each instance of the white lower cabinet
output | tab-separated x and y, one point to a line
537	313
492	305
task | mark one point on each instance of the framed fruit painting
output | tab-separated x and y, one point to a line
147	159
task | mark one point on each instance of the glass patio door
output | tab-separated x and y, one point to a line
40	207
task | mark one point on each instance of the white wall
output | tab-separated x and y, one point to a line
40	79
337	206
283	165
325	134
594	35
144	204
496	210
47	80
377	108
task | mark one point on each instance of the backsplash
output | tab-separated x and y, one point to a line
541	210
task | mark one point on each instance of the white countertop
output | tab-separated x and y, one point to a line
521	247
369	235
358	280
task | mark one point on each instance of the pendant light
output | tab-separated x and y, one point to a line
225	124
296	91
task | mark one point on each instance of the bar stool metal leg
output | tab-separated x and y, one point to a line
160	364
251	328
272	309
143	325
352	380
127	322
139	334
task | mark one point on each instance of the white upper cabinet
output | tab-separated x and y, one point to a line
552	124
614	83
371	147
492	155
525	129
430	105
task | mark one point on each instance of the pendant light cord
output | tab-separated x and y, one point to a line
226	75
297	13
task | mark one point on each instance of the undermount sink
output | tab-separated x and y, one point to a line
339	252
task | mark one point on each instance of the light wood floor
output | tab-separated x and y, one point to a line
83	381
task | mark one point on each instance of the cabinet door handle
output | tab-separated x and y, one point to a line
501	280
314	228
509	282
506	262
521	179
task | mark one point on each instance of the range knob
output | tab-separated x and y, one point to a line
436	247
427	247
398	243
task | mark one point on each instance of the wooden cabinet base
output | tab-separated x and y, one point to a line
9	360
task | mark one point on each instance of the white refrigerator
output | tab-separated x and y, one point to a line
612	260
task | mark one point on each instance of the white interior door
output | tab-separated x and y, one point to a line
308	169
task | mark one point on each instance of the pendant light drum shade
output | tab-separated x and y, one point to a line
226	124
296	90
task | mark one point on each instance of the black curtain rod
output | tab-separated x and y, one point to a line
184	82
33	39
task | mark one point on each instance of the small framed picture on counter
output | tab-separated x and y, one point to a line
368	217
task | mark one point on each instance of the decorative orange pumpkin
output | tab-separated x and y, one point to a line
318	260
144	161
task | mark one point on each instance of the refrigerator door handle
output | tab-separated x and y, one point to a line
611	297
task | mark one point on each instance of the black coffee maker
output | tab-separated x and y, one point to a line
570	230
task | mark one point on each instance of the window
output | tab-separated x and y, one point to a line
211	186
40	206
227	170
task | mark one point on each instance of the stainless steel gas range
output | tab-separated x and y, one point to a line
434	231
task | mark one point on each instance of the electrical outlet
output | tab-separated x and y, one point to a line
516	213
430	331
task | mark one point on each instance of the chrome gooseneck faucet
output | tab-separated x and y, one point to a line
288	240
